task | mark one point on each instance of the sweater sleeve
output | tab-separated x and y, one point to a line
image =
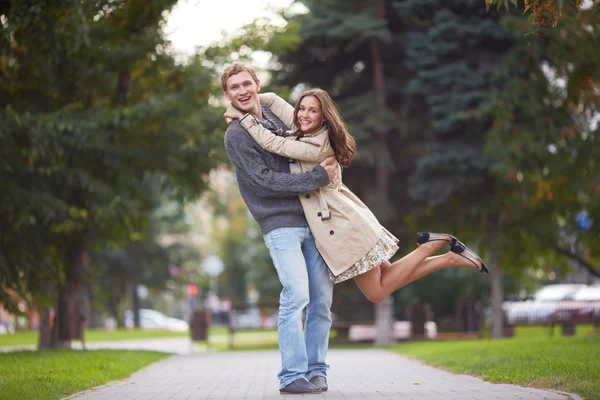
250	166
305	150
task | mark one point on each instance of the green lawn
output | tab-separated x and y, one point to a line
244	340
100	335
59	373
218	337
94	335
571	364
523	332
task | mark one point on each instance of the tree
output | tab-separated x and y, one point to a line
150	261
90	113
545	139
541	12
454	48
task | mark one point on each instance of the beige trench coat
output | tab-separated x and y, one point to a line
344	228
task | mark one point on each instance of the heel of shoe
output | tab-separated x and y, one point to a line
422	237
459	248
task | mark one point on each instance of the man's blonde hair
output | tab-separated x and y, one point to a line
234	69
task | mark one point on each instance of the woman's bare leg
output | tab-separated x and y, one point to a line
379	283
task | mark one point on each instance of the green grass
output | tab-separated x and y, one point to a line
57	374
570	364
244	340
101	335
547	331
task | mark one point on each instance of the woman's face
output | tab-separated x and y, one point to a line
310	116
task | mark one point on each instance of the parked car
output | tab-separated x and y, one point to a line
152	319
544	303
585	306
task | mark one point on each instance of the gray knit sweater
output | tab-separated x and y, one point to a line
264	179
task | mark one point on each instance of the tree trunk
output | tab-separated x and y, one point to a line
92	320
69	310
384	322
122	89
113	308
384	311
133	277
135	305
496	277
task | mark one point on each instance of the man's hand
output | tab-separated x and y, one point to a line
334	171
232	113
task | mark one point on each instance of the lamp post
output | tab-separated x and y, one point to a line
213	266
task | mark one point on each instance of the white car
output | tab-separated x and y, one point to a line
584	307
544	303
152	319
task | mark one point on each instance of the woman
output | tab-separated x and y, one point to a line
347	234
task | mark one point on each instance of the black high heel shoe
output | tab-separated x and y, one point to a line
424	237
460	248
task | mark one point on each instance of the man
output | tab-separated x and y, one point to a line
271	194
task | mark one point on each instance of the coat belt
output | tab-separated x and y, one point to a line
325	213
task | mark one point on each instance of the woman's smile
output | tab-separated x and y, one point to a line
310	116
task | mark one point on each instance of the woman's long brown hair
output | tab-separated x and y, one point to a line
343	144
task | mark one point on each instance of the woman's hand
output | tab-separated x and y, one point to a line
232	113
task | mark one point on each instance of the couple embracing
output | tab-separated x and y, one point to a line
288	162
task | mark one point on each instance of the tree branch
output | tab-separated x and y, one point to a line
578	259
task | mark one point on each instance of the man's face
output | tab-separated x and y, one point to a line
242	91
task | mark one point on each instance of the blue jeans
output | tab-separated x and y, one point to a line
306	282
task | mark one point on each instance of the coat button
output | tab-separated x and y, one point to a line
319	214
307	196
331	232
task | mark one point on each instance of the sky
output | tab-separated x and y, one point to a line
195	23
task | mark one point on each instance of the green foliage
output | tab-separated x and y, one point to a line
453	48
544	139
94	111
541	12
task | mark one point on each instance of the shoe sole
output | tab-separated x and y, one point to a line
465	249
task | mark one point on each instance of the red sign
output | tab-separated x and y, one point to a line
192	289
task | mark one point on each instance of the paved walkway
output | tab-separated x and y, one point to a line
355	374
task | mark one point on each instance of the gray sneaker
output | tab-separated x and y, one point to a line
320	382
299	386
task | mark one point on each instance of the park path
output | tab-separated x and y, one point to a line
354	374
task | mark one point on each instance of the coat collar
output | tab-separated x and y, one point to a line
321	130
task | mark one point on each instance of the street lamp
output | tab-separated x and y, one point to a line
213	266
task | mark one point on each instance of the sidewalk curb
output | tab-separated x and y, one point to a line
570	396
